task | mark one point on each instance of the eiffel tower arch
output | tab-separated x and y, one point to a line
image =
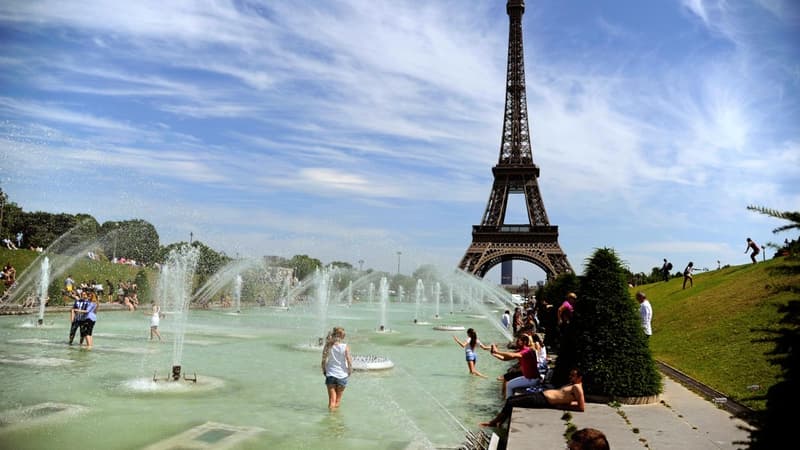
494	241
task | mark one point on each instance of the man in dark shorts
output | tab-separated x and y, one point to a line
568	397
76	318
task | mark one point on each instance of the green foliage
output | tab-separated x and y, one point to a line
605	338
792	216
772	426
131	239
143	286
341	265
304	265
556	289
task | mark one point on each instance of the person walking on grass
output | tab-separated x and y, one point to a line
645	312
687	275
751	245
469	351
337	365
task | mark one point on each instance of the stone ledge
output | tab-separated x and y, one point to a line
605	399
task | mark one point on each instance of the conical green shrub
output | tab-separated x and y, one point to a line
605	339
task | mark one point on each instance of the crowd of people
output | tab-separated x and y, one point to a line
123	292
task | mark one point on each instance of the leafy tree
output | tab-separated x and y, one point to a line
553	293
341	265
426	272
209	260
132	239
11	219
303	265
605	338
143	286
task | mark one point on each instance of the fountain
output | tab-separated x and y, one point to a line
350	293
176	287
395	408
437	294
383	324
419	296
237	293
44	282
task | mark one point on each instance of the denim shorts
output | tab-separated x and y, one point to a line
336	381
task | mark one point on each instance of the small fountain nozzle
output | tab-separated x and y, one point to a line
176	373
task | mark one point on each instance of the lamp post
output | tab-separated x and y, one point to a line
116	232
191	237
398	262
2	209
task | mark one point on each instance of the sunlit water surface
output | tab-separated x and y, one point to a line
255	388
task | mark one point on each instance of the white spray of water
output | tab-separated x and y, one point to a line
384	293
237	293
175	288
44	282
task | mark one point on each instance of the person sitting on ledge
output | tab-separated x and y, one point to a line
568	397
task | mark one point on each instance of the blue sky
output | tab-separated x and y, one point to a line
354	129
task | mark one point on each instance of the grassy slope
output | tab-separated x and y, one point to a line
83	269
710	331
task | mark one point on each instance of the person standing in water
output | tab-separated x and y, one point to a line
155	321
469	350
337	365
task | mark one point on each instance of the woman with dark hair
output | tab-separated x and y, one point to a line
469	350
687	275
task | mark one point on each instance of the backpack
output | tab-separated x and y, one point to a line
669	266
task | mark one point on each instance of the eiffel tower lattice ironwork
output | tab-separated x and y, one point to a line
493	241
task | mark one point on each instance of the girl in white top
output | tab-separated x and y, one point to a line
541	354
155	320
337	365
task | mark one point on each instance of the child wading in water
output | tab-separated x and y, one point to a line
337	365
155	320
469	350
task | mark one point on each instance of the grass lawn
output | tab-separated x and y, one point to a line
715	331
83	269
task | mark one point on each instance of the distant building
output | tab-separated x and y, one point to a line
506	272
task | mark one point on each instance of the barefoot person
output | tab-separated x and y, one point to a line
155	320
337	365
469	350
568	397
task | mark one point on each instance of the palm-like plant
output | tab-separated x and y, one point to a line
791	216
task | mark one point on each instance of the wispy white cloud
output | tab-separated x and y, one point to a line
395	108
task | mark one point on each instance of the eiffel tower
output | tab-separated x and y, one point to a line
494	241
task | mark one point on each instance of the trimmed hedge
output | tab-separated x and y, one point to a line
605	339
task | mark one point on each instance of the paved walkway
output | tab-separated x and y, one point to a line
682	420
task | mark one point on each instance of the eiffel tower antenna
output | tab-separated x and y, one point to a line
494	241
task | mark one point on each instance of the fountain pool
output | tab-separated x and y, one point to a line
255	390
